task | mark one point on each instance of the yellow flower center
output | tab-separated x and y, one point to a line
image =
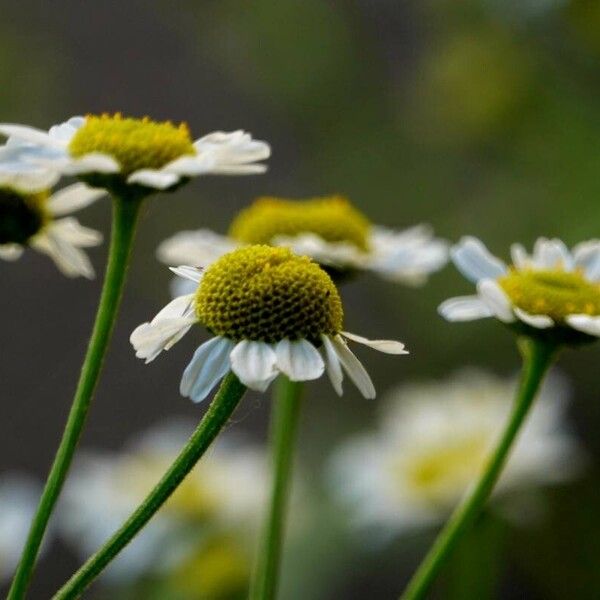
439	475
21	215
332	218
134	143
268	294
555	293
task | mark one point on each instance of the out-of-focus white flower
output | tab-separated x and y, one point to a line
433	442
329	230
124	151
30	219
19	496
222	497
554	289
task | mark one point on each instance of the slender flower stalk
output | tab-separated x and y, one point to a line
222	407
284	425
125	216
537	358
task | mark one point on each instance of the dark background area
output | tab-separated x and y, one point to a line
480	117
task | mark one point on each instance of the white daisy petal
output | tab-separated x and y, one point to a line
72	261
73	198
519	256
30	135
254	363
587	257
537	321
191	273
585	323
182	287
332	362
73	232
475	262
10	251
150	339
153	178
551	254
494	297
208	366
386	346
464	308
235	169
201	247
96	162
190	166
182	306
353	367
299	360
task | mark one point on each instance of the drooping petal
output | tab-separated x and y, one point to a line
386	346
10	251
192	273
153	178
208	366
332	362
254	363
201	248
182	306
494	297
72	231
72	261
150	339
353	367
464	308
299	360
585	323
73	198
475	262
537	321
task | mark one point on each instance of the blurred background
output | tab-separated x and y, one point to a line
480	117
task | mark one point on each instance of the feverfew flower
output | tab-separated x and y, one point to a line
19	496
433	441
554	292
270	312
211	518
30	219
329	230
117	153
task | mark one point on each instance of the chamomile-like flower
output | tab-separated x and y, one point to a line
18	500
270	311
212	516
433	441
30	219
115	152
329	230
555	291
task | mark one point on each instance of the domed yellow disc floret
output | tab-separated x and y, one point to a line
134	143
553	293
22	215
332	218
267	294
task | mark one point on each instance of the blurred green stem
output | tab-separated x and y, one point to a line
537	358
226	400
125	216
284	424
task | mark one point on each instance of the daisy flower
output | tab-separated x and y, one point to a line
554	291
18	500
213	514
329	230
119	153
433	441
270	311
30	219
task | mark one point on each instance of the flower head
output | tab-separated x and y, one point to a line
329	229
271	312
210	519
554	292
30	219
121	153
433	441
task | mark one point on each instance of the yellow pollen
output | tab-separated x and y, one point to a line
134	143
554	293
332	218
268	294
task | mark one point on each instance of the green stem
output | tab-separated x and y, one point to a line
228	397
537	358
125	215
284	423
